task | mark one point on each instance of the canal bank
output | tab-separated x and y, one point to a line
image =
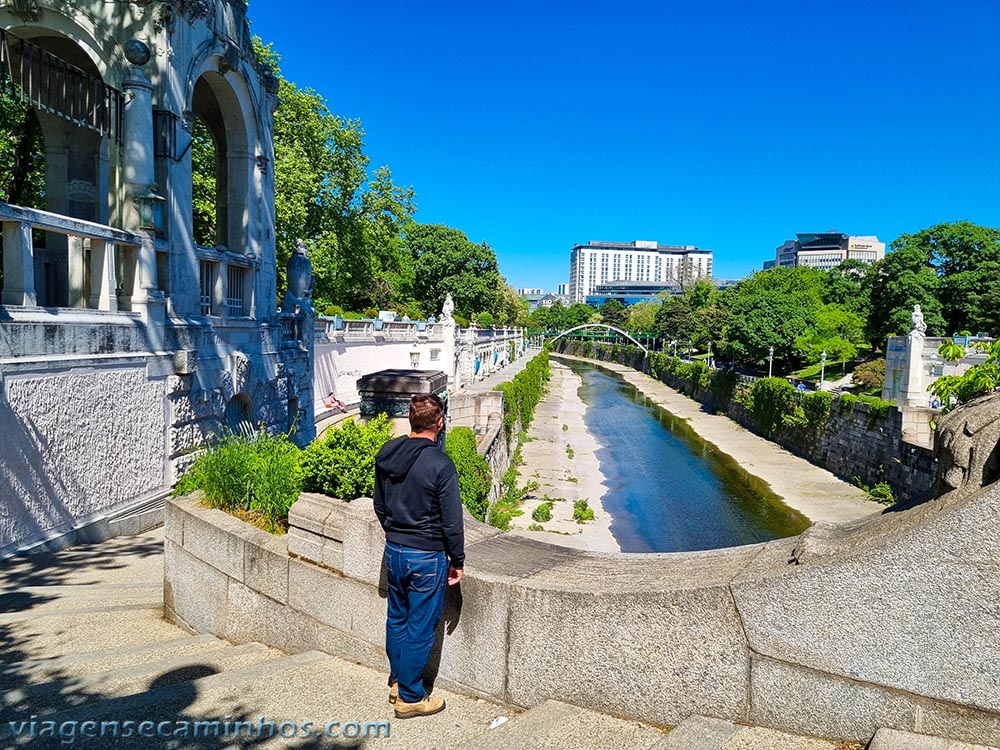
814	492
560	456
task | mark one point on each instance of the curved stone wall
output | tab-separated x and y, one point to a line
889	622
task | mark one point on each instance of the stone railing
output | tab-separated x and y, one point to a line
93	254
887	622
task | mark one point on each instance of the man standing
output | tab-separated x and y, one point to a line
418	504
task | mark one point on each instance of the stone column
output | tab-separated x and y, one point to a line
75	259
102	276
18	265
140	173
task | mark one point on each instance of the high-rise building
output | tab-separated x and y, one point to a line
826	250
641	260
563	290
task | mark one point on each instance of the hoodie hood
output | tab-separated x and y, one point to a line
397	456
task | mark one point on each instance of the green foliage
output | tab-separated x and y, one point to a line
582	512
474	477
342	463
905	277
535	527
203	184
769	400
722	386
816	409
542	513
870	375
22	153
258	478
978	380
880	493
522	394
613	313
485	320
570	453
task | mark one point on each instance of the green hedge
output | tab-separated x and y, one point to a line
342	463
522	394
474	476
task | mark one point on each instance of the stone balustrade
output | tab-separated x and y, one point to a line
886	622
95	257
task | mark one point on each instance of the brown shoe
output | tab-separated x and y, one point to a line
394	692
427	707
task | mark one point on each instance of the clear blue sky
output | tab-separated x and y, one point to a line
726	125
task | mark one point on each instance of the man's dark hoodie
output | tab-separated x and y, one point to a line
416	497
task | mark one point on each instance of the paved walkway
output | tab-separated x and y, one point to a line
504	374
813	491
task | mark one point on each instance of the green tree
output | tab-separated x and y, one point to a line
642	316
577	314
613	313
22	155
844	285
445	261
904	278
967	257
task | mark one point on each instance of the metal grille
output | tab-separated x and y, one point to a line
53	85
164	134
205	273
234	295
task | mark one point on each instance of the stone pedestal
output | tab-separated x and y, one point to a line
389	392
914	391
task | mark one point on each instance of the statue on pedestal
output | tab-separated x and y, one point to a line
448	308
917	325
299	280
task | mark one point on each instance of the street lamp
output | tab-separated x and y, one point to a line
822	370
674	345
770	360
709	353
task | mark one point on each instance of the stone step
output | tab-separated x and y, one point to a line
35	600
122	561
312	686
892	739
705	733
57	695
76	631
559	726
34	671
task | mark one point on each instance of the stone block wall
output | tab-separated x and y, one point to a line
838	632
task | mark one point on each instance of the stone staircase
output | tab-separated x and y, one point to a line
83	640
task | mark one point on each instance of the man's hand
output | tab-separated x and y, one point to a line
454	575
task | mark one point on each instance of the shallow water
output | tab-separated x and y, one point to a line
669	490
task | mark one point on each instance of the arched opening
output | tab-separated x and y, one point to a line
240	419
221	174
57	118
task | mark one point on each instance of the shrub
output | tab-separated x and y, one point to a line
371	312
535	527
256	478
332	310
769	400
882	493
722	386
342	463
474	477
869	375
581	511
485	320
542	513
816	408
522	394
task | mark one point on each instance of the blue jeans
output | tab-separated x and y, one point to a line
417	580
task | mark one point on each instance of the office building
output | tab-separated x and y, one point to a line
641	260
826	250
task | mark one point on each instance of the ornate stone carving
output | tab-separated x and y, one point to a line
165	18
968	447
226	384
194	9
262	163
230	59
269	80
300	281
241	372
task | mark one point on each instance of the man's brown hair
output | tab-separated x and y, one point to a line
425	409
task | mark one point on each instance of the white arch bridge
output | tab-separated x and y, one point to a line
606	327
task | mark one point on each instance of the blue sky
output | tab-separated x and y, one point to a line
726	125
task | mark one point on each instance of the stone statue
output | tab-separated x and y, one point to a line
448	308
967	446
917	324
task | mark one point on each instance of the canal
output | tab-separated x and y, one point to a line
669	490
